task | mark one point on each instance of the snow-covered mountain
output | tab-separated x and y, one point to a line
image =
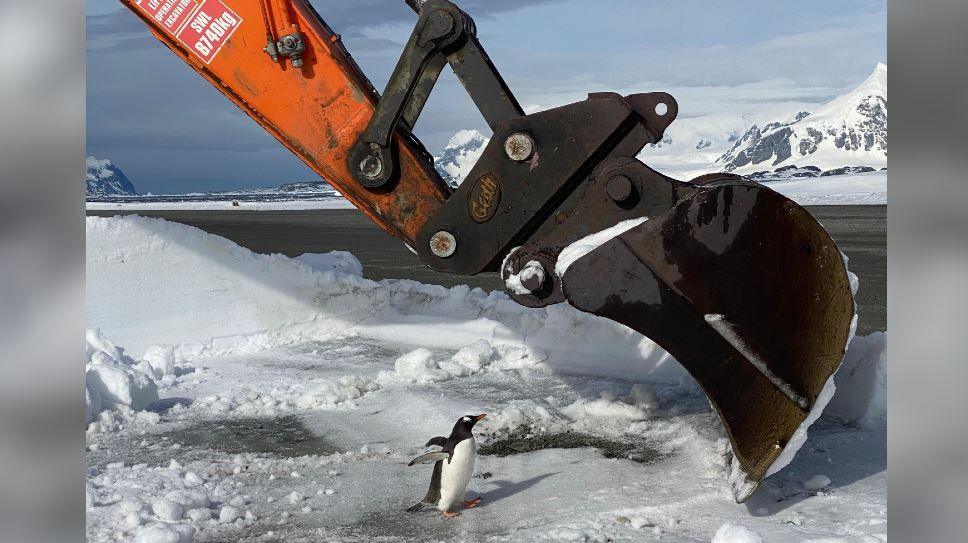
850	130
103	178
459	156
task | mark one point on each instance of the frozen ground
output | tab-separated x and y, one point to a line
857	189
262	398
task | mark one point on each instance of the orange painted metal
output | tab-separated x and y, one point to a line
317	111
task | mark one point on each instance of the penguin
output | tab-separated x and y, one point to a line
453	466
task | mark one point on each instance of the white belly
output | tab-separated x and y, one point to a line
455	475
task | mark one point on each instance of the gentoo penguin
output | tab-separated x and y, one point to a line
453	466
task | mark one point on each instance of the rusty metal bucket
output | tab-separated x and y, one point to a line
749	293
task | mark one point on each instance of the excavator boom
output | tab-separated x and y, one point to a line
317	109
742	285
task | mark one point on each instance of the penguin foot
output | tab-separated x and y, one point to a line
472	503
451	514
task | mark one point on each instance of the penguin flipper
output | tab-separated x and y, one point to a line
438	441
433	493
429	457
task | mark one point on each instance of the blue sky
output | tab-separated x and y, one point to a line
550	52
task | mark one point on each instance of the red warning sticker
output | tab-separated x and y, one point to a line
203	26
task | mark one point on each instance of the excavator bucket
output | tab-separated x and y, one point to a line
749	293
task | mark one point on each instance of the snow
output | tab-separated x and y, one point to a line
589	243
340	262
374	369
862	381
816	483
168	510
850	130
459	156
227	515
856	189
515	281
736	533
112	380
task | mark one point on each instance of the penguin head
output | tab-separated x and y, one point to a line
466	423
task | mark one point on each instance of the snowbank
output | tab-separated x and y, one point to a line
142	272
341	262
861	397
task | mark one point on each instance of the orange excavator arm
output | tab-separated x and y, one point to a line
743	286
317	110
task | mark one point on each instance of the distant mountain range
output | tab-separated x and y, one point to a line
850	130
845	135
106	182
103	178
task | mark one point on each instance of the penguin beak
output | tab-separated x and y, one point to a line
480	417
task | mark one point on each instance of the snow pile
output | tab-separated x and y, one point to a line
219	291
135	263
229	299
163	503
421	366
338	262
276	398
736	533
862	383
345	389
637	406
417	366
159	362
470	359
161	532
113	382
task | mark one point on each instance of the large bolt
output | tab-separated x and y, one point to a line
533	276
619	189
371	166
443	244
519	147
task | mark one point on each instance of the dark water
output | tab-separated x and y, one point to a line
518	443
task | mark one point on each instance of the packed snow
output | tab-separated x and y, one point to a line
242	397
856	189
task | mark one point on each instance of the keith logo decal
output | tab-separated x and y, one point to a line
203	26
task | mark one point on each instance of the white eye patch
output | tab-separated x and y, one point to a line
466	419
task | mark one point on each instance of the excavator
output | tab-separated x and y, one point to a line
742	286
